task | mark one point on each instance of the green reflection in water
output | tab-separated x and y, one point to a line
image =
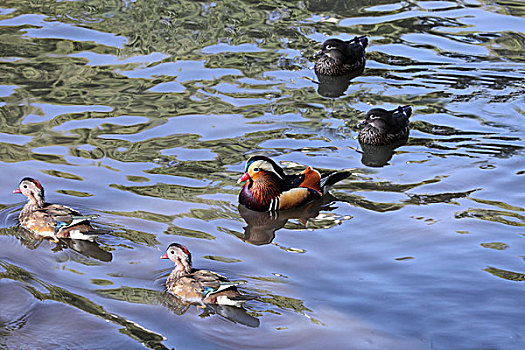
505	274
75	193
185	232
131	295
495	245
500	216
221	259
132	329
137	236
63	174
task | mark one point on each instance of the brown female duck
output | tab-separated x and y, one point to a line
268	188
199	286
51	220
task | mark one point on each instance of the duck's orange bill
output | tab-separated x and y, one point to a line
165	256
17	190
243	178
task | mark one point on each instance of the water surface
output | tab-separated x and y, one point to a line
144	112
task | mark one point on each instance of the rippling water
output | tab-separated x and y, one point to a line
144	112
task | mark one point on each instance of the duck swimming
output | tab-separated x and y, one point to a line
200	286
268	188
382	127
338	57
51	220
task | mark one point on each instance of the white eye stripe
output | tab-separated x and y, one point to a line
329	47
266	166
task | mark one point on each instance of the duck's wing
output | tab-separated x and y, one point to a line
187	288
356	48
401	114
293	181
293	198
69	223
212	282
302	188
56	210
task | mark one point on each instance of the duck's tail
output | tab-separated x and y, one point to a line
77	227
403	112
360	40
328	180
232	297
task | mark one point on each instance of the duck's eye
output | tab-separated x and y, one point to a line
329	47
25	186
373	116
256	169
172	252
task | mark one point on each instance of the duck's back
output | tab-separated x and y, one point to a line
43	221
195	286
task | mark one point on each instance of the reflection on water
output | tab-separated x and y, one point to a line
145	112
378	156
261	226
234	314
335	86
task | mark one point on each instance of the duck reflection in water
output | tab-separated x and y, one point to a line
378	156
214	292
90	249
86	248
335	86
233	314
261	226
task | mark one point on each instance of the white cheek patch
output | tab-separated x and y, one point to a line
261	164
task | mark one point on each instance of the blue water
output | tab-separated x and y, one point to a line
145	112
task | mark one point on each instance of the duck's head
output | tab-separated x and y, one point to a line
180	255
341	50
333	48
32	189
378	118
384	120
259	167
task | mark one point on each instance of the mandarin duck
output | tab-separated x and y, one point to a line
51	220
268	188
384	127
338	57
200	286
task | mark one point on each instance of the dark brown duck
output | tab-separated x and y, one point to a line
338	57
382	127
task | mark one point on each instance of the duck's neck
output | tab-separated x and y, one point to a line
34	202
265	189
182	268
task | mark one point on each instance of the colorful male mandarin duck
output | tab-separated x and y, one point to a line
200	286
51	220
338	57
384	127
268	188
